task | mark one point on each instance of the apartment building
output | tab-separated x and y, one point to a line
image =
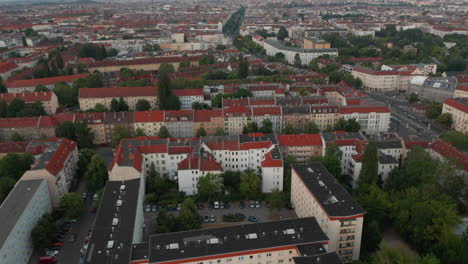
89	97
6	68
235	119
373	119
95	121
21	86
147	64
384	81
461	91
272	47
324	116
316	193
192	168
120	120
189	96
273	114
25	126
302	147
179	122
458	109
48	99
210	120
55	160
433	88
20	212
149	122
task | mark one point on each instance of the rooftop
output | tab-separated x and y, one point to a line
234	239
332	196
122	233
15	204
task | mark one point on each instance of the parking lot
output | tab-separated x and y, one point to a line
262	214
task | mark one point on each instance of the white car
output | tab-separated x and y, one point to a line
216	205
95	197
148	208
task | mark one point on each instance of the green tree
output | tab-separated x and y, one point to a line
369	172
297	61
456	138
251	127
219	131
282	33
3	108
166	68
72	205
6	185
231	181
59	61
14	165
156	183
115	107
445	119
276	200
413	98
167	223
289	129
3	88
139	132
189	217
119	132
143	105
84	158
65	94
96	174
250	184
81	68
99	108
164	90
352	125
312	128
267	126
303	92
16	137
163	132
207	59
208	185
126	72
220	47
201	132
78	131
16	105
40	235
243	70
93	81
389	255
434	110
340	125
123	106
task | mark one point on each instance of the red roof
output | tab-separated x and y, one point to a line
364	109
448	151
149	116
410	144
117	92
461	105
462	87
27	97
19	122
196	163
56	162
13	147
7	66
178	115
255	145
238	110
261	111
206	115
144	61
300	140
44	81
269	162
188	92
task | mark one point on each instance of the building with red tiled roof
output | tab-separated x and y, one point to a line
212	121
27	127
6	68
13	147
48	99
302	146
372	119
385	80
90	97
56	160
458	109
189	96
444	150
28	85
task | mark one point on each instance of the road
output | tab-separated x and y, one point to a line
400	109
70	252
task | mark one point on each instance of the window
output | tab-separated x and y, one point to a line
241	258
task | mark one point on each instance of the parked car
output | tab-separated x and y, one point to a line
241	205
210	206
148	208
200	206
221	205
206	219
216	205
252	219
212	218
47	260
95	197
57	244
72	238
154	208
179	206
84	195
252	204
257	204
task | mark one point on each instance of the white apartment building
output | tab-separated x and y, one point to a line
189	96
458	109
315	192
272	47
373	119
19	213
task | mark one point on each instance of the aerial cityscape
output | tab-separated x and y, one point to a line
234	132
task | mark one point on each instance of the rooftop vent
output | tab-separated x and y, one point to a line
110	244
212	241
115	221
251	236
122	187
310	170
173	246
321	183
289	231
118	203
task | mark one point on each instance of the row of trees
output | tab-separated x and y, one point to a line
68	95
418	200
18	108
12	167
